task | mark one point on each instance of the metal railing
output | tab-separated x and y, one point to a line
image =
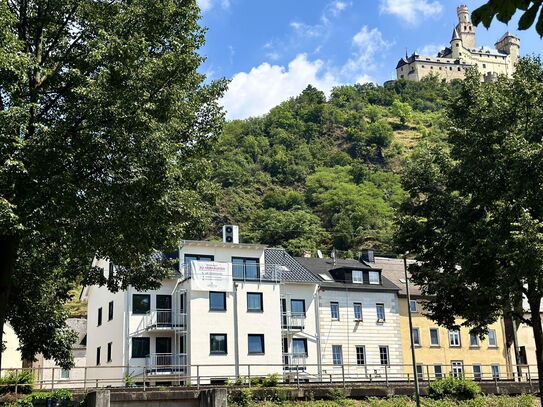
169	369
244	272
164	319
294	321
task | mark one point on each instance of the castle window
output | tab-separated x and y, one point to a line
431	67
450	68
456	45
484	65
401	76
459	69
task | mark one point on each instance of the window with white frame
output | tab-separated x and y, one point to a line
413	305
438	371
64	373
380	310
477	372
495	371
383	355
457	368
337	355
374	277
334	311
492	339
360	355
358	277
357	309
420	371
454	337
416	336
434	337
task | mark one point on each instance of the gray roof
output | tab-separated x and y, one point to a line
321	267
292	270
393	270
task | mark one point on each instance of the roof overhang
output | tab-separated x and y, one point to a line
208	243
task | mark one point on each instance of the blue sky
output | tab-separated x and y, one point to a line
271	50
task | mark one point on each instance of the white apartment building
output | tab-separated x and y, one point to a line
359	320
217	317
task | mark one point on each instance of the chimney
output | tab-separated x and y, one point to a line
306	253
230	234
367	256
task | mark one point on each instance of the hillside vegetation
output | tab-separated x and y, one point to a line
317	173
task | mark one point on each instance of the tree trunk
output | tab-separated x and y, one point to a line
8	256
538	338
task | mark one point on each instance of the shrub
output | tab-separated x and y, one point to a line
337	394
256	381
60	396
460	389
240	381
241	397
20	379
271	381
396	401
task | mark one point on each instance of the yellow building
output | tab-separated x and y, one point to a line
441	352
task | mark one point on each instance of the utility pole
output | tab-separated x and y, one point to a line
415	374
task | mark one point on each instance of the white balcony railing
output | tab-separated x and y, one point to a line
165	319
244	271
293	321
294	361
166	363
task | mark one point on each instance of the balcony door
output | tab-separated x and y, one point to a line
164	310
163	350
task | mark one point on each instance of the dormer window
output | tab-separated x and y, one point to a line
374	277
358	277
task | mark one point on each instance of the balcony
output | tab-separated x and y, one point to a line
294	361
166	363
293	321
243	271
164	320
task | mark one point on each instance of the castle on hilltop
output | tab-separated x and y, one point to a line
452	62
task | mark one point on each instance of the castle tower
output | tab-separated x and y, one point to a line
510	44
465	28
456	44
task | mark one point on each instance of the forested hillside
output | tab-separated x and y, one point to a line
316	173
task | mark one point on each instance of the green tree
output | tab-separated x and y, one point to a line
474	216
380	134
504	10
103	123
403	111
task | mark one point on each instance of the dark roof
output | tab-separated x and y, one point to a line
291	270
79	325
321	268
393	270
401	63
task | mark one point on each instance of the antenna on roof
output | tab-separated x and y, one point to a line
333	255
319	254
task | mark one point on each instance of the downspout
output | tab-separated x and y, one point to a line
236	339
126	330
318	325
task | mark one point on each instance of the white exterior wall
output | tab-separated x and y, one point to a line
308	293
48	368
109	331
369	333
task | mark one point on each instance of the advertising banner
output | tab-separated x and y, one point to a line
211	276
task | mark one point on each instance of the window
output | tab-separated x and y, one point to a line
256	343
457	368
413	305
297	307
434	337
196	257
141	303
98	356
374	277
254	302
99	316
140	347
217	301
523	360
357	308
337	355
420	371
360	355
299	347
64	373
110	311
245	268
358	277
484	65
109	346
217	344
164	302
495	371
473	340
416	336
438	371
380	309
334	310
454	338
492	340
383	355
477	373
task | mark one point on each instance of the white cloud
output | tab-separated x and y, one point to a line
431	49
255	92
206	5
367	43
411	10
